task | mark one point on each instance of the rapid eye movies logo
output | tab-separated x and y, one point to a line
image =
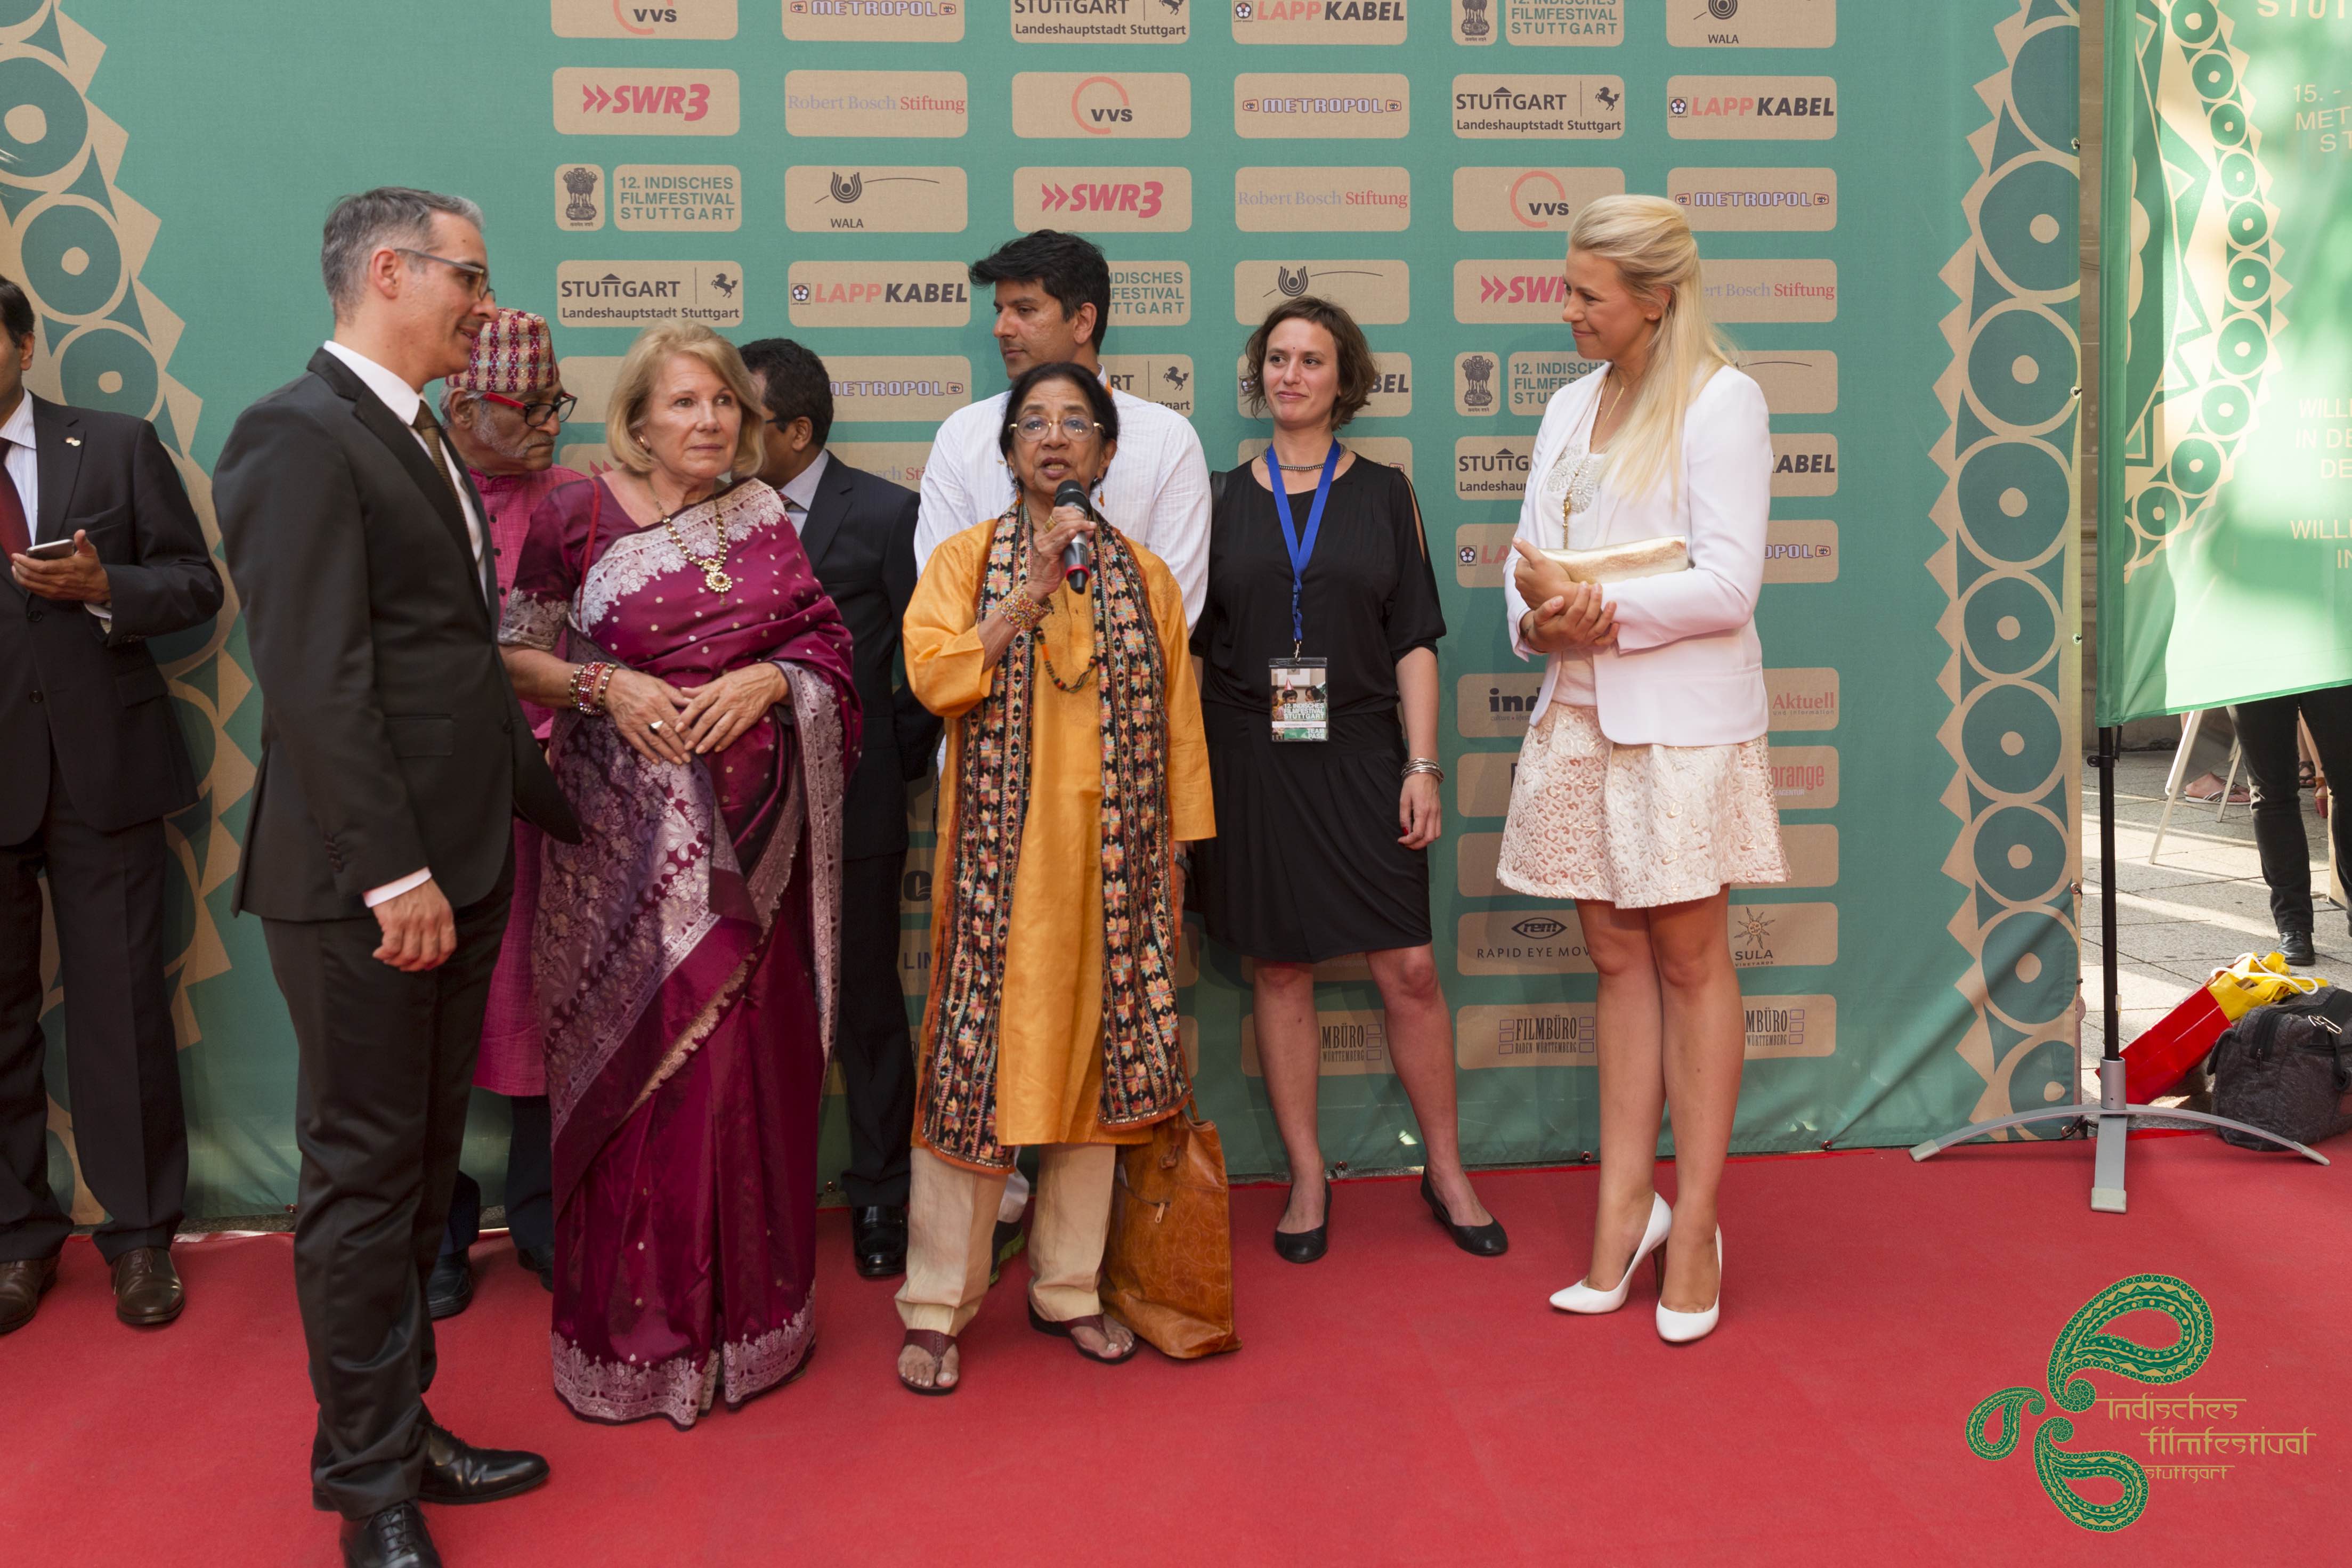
875	21
1757	108
1118	201
1318	21
622	102
1291	107
1556	108
876	198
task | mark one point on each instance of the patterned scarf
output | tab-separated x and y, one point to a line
1144	1067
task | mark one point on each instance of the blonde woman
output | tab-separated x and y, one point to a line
1643	791
706	719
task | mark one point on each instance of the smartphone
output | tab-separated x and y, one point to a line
55	549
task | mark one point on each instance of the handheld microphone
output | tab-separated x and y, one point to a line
1075	571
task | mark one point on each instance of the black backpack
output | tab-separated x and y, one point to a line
2287	1068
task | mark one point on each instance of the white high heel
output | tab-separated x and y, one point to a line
1681	1328
1582	1298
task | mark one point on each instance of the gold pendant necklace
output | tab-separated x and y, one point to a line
714	572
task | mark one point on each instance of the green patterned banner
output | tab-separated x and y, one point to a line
2225	509
1884	195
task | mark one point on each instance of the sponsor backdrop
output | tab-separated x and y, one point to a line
1885	196
2226	527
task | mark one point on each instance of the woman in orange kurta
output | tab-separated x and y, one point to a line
1077	776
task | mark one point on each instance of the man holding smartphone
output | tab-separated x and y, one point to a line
103	552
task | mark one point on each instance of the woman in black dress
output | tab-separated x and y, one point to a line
1320	634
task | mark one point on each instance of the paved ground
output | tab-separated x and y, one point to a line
2200	905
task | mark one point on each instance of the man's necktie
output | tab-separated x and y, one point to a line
15	533
429	429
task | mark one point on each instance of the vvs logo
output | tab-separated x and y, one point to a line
688	103
642	19
1095	112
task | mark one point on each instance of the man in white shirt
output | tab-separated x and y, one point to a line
1052	299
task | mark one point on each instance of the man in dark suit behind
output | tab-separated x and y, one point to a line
92	761
859	532
379	855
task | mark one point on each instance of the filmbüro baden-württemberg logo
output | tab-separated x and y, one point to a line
2084	1346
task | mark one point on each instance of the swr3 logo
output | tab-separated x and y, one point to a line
688	103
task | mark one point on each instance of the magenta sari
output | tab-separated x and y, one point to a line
684	957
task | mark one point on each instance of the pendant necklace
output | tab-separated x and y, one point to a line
714	566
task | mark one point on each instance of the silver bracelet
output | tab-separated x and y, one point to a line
1425	765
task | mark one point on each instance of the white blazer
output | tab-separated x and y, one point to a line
1687	669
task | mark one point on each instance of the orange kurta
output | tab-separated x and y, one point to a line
1049	1030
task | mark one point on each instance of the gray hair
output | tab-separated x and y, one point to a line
389	214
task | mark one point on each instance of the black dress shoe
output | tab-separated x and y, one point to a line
395	1538
1305	1246
449	1290
147	1291
1486	1241
540	1260
456	1471
2295	947
878	1237
22	1285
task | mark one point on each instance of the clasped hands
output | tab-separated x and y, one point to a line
695	721
1564	616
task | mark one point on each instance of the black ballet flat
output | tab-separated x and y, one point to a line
1305	1246
1486	1241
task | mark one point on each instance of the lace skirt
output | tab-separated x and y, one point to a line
1636	826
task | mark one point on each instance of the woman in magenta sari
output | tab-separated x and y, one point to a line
684	956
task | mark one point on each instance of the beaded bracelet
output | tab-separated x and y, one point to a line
603	683
1022	613
588	682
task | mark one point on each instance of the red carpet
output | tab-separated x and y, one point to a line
1398	1402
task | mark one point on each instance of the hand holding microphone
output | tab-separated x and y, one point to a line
1052	547
1070	505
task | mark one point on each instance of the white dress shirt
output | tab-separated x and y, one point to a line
25	468
1156	491
801	494
1685	669
404	401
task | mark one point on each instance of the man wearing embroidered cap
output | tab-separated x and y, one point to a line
502	414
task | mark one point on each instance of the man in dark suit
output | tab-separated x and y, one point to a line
94	761
859	532
379	855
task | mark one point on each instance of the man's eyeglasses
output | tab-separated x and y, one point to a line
1033	427
473	272
537	413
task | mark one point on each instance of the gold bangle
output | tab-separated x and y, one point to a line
1021	611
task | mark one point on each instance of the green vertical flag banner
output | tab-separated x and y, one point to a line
2225	505
1885	197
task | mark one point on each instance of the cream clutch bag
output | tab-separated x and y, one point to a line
1623	563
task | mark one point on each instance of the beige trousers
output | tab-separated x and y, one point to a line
951	1224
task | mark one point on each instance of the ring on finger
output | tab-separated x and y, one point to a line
654	727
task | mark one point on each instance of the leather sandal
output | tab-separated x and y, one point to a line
1066	1328
936	1345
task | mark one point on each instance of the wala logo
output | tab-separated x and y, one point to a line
878	198
604	102
1752	24
1102	200
643	18
1377	293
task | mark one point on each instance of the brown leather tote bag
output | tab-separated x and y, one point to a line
1168	1272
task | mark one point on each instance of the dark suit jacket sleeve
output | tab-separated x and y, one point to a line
915	726
173	586
289	515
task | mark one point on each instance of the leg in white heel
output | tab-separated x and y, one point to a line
1682	1328
1582	1297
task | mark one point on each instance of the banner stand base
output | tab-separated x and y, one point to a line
2114	1115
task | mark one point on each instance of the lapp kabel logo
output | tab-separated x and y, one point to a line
689	102
800	293
1141	197
1097	113
2084	1346
1243	10
1677	107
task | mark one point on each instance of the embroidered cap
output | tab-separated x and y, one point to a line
513	356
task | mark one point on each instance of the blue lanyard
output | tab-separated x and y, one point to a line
1300	552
